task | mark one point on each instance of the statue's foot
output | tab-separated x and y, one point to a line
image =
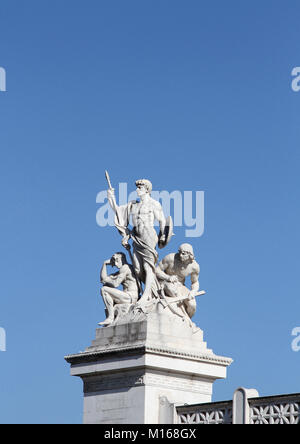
144	299
107	321
140	307
141	304
144	303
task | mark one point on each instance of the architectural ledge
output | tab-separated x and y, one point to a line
89	356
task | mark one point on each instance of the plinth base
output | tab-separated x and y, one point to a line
135	373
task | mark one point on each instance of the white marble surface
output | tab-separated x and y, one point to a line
129	368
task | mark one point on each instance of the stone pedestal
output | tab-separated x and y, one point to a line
134	373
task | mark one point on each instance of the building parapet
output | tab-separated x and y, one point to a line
246	407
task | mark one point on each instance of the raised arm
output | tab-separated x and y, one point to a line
103	273
116	279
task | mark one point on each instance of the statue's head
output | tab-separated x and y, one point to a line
186	253
118	259
143	186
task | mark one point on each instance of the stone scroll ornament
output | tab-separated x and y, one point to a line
144	284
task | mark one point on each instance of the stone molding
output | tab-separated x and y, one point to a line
142	349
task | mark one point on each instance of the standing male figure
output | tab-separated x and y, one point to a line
141	213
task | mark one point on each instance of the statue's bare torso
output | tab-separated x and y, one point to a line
144	214
172	266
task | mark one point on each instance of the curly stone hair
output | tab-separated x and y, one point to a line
146	183
187	248
119	253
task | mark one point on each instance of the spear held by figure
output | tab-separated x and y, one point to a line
126	245
108	180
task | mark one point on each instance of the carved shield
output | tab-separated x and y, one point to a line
168	232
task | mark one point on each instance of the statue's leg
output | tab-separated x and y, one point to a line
171	289
112	296
137	263
108	301
184	308
190	307
149	282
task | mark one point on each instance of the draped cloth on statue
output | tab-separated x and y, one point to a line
142	251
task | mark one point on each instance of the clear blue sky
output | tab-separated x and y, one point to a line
192	95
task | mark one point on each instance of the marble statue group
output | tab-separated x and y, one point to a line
145	281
